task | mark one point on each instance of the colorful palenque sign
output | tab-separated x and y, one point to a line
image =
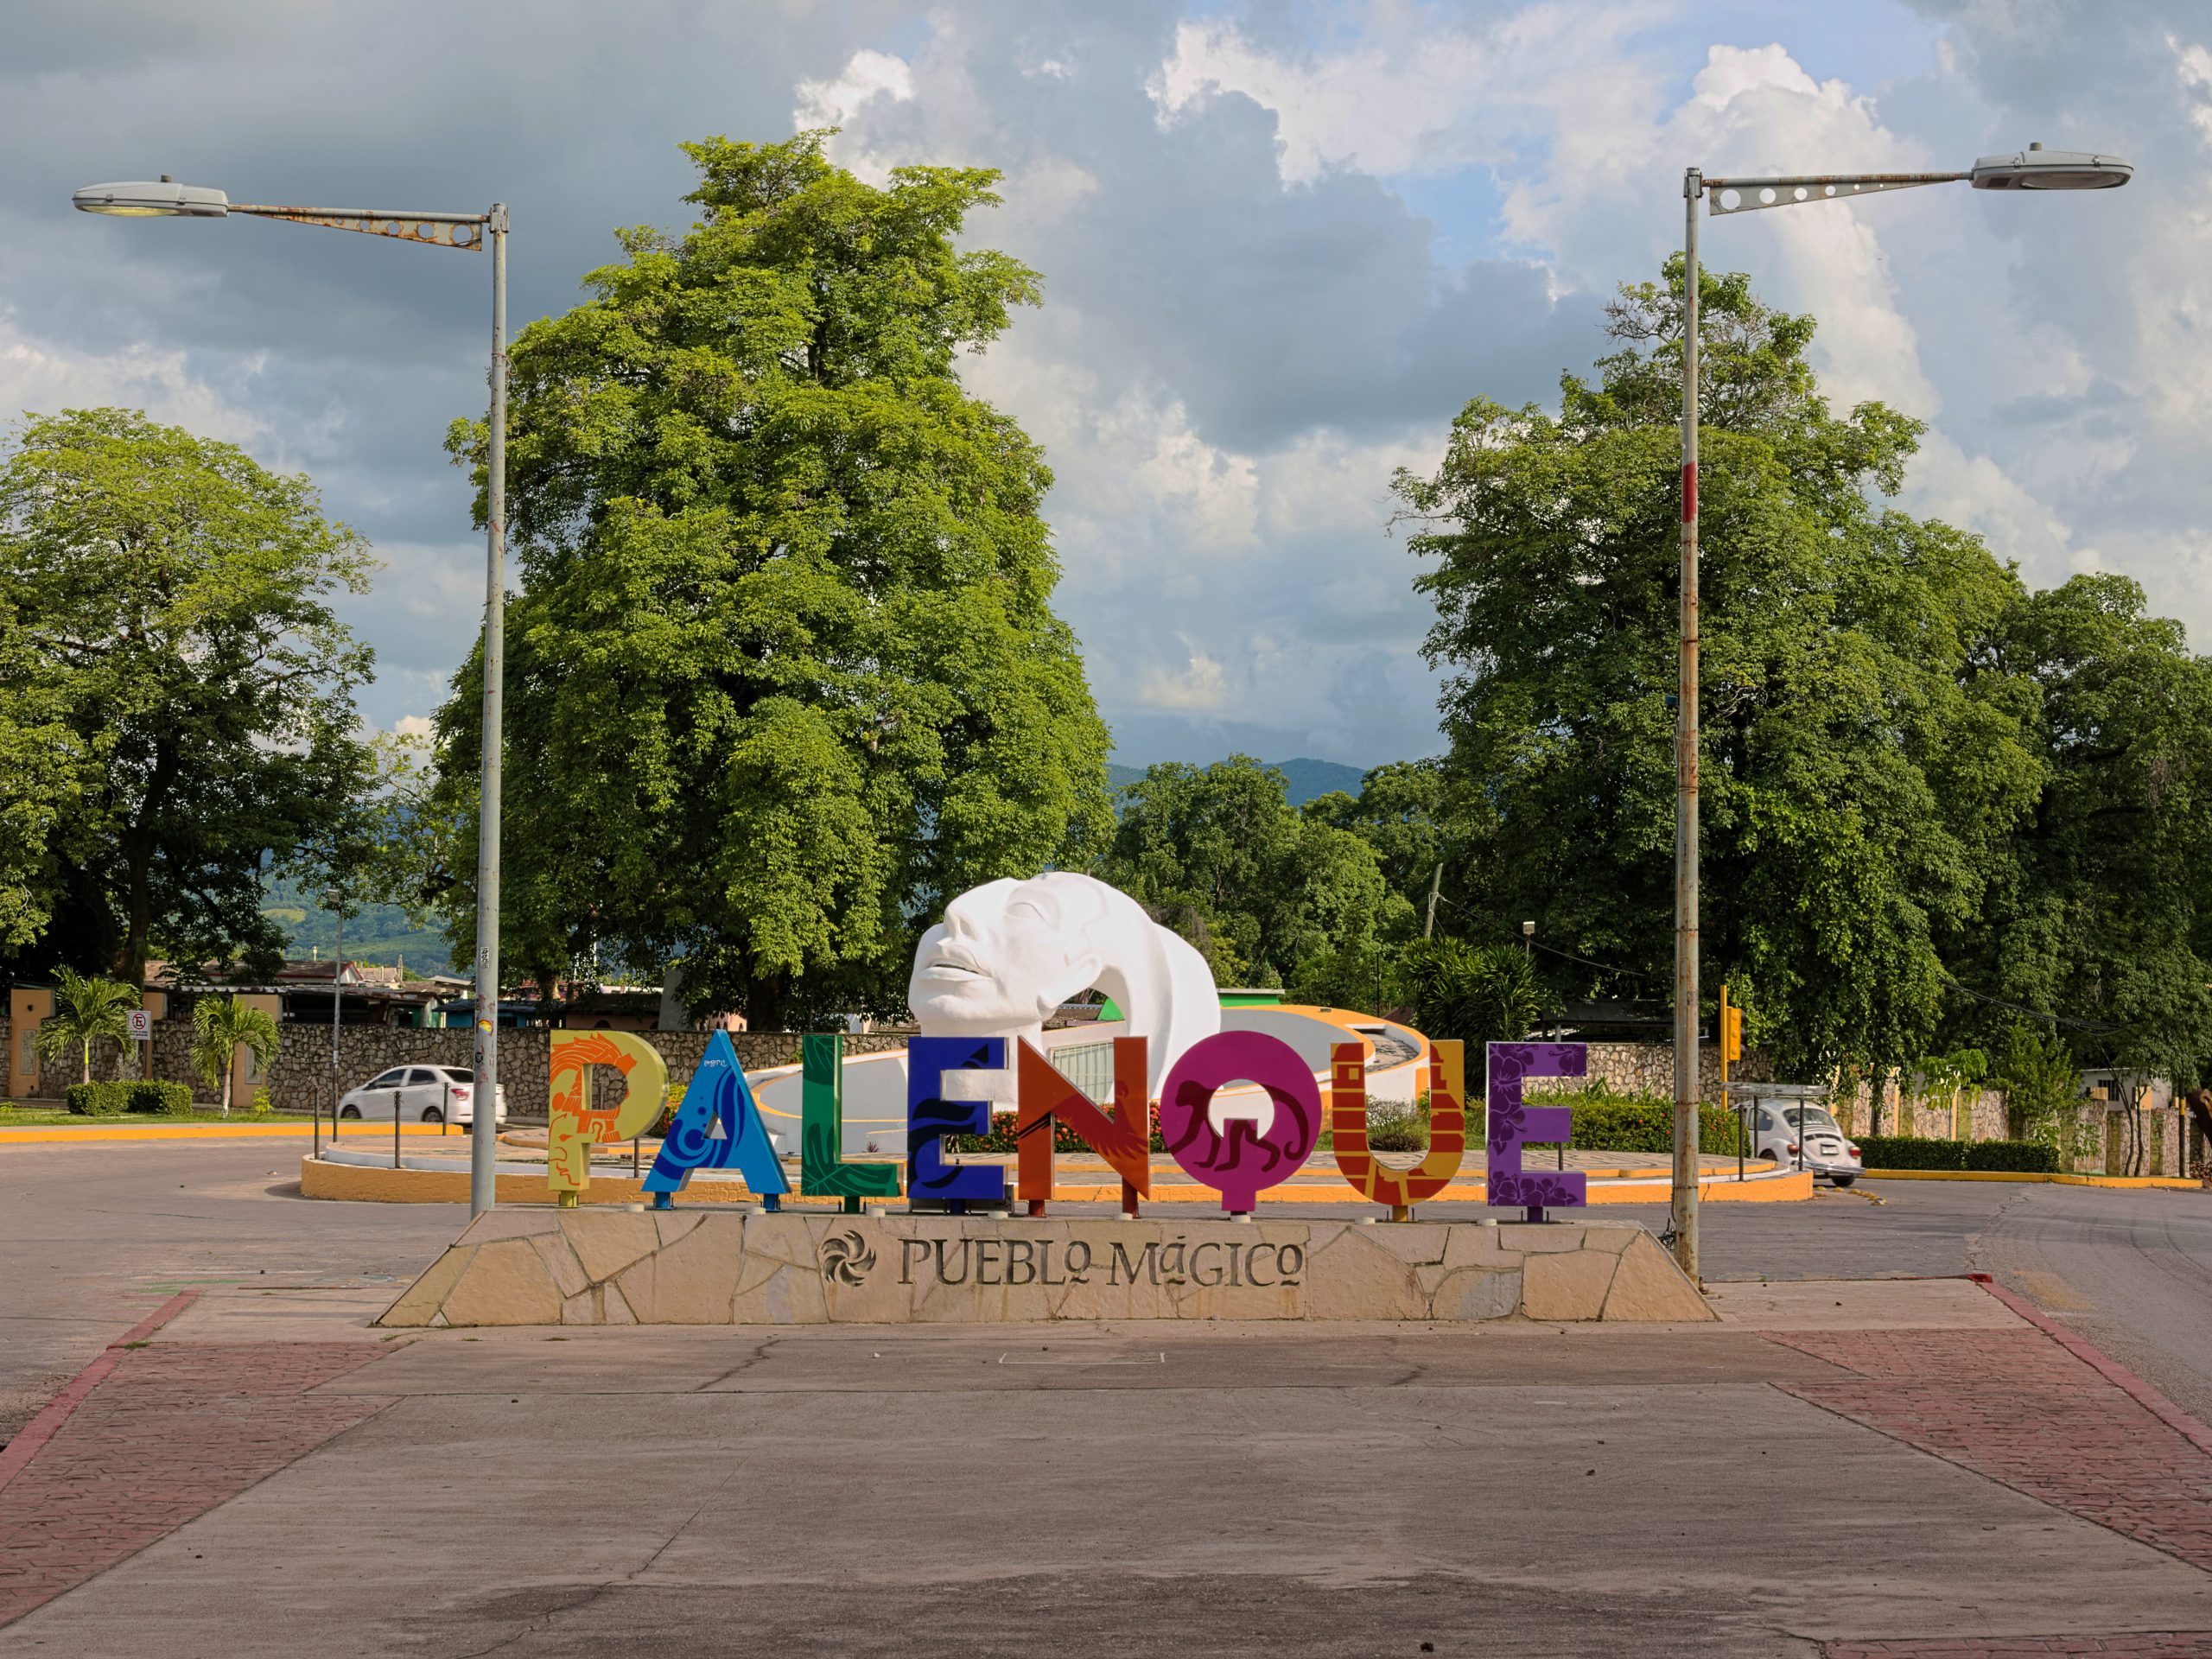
573	1124
931	1117
1047	1099
1249	1154
1514	1124
822	1171
1447	1126
718	1126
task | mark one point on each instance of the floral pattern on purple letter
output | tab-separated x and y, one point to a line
1513	1123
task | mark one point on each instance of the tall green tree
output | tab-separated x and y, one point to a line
46	765
783	674
1859	780
1219	855
1400	811
2100	913
174	598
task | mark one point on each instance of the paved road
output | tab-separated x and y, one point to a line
93	1236
2131	1270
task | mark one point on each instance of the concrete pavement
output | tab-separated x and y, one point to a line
1849	1467
1113	1490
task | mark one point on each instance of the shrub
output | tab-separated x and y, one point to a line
263	1105
97	1099
167	1099
1606	1122
1913	1152
2032	1157
1392	1128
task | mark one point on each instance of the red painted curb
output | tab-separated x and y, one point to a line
18	1452
2110	1370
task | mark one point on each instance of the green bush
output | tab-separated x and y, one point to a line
1912	1152
1391	1127
2030	1157
1606	1122
262	1106
166	1099
1920	1152
97	1099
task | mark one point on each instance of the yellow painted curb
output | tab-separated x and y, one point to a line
360	1184
214	1132
2173	1182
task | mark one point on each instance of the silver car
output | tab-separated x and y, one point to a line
421	1094
1805	1137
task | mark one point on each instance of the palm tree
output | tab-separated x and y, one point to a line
222	1025
85	1010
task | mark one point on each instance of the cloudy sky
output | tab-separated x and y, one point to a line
1282	243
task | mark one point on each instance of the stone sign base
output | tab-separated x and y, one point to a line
692	1267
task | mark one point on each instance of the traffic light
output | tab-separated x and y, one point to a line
1731	1033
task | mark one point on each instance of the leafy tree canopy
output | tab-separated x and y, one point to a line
783	675
2100	916
189	690
1219	855
1400	812
1864	761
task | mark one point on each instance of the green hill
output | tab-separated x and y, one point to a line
380	933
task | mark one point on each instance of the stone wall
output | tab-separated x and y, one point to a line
301	1075
550	1267
1644	1069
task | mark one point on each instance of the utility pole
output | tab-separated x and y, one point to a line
1685	1195
484	1126
1435	887
2033	169
337	992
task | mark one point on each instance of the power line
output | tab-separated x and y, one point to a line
1553	949
2018	1008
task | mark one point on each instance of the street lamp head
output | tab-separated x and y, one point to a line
2038	169
1527	930
162	199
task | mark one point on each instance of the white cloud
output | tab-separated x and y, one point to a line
867	75
1198	686
1414	95
39	376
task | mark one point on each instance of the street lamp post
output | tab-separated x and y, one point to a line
167	199
337	904
2032	168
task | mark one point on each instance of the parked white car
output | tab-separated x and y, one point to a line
424	1094
1805	1136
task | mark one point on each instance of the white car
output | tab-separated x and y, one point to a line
423	1094
1805	1136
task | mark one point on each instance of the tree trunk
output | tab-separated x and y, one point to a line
88	1060
228	1071
765	1003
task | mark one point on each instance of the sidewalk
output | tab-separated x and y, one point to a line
1895	1467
